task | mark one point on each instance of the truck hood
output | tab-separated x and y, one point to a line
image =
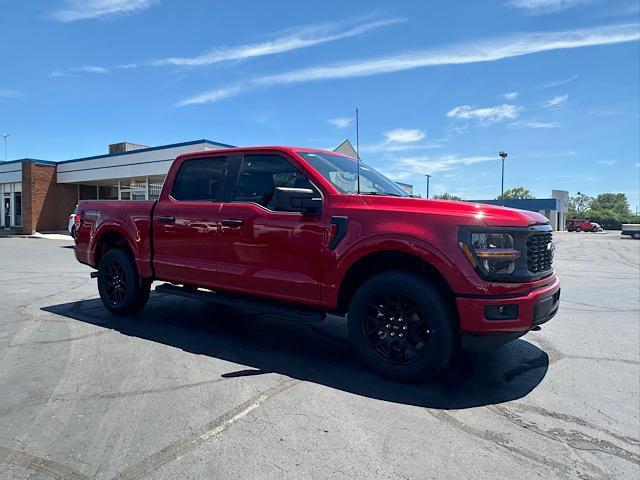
469	212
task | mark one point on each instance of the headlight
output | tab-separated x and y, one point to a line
494	253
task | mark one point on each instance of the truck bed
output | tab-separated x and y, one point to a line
132	219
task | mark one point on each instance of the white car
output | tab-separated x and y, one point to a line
72	222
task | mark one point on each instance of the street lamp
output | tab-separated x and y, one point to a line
5	135
503	155
427	177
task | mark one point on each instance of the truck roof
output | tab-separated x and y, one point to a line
283	148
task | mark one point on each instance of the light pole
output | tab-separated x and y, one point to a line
5	136
427	177
503	155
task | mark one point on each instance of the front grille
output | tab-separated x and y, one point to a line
540	252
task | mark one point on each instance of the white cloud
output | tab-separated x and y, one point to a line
544	6
284	41
607	162
400	140
432	165
533	124
510	95
557	83
6	93
481	51
403	135
637	165
487	114
90	9
340	122
557	101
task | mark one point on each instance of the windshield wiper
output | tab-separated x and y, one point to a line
382	193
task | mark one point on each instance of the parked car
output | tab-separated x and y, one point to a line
631	229
297	232
73	220
578	225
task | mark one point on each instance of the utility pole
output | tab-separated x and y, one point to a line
503	155
5	136
427	178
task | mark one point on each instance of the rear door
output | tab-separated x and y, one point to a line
186	222
263	251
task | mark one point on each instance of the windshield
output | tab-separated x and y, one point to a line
342	173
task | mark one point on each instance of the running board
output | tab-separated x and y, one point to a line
296	314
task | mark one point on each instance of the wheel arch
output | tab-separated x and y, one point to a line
108	239
374	263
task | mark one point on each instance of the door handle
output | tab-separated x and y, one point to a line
231	223
166	219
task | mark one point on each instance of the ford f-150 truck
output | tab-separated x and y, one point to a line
303	233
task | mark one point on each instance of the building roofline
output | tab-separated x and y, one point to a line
148	149
24	160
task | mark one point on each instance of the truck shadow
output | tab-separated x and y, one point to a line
318	353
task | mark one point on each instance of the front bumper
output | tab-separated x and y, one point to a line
488	322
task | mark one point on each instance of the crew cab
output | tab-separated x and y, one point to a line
304	233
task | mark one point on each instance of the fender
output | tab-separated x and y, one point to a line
384	242
139	245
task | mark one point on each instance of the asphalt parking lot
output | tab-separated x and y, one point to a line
186	390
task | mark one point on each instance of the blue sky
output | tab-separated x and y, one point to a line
441	86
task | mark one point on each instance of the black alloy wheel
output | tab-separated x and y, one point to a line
115	280
396	328
121	288
402	326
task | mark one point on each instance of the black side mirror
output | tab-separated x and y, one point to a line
303	200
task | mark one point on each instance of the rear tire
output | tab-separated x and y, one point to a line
401	327
636	236
578	229
122	290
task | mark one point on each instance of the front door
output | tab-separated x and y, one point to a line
7	211
186	223
272	254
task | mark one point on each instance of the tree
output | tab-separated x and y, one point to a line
579	204
519	193
447	196
615	202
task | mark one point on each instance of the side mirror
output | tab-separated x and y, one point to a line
303	200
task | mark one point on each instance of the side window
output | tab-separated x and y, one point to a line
260	175
200	179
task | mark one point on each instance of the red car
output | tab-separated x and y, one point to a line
294	231
577	225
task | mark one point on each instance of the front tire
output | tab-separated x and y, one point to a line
578	229
401	327
122	290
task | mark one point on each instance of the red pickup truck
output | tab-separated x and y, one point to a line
298	232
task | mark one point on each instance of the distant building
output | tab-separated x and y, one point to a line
554	208
346	148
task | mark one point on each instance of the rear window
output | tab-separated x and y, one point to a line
200	179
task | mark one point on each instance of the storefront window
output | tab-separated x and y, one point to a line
125	190
17	206
108	192
88	192
155	187
138	190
